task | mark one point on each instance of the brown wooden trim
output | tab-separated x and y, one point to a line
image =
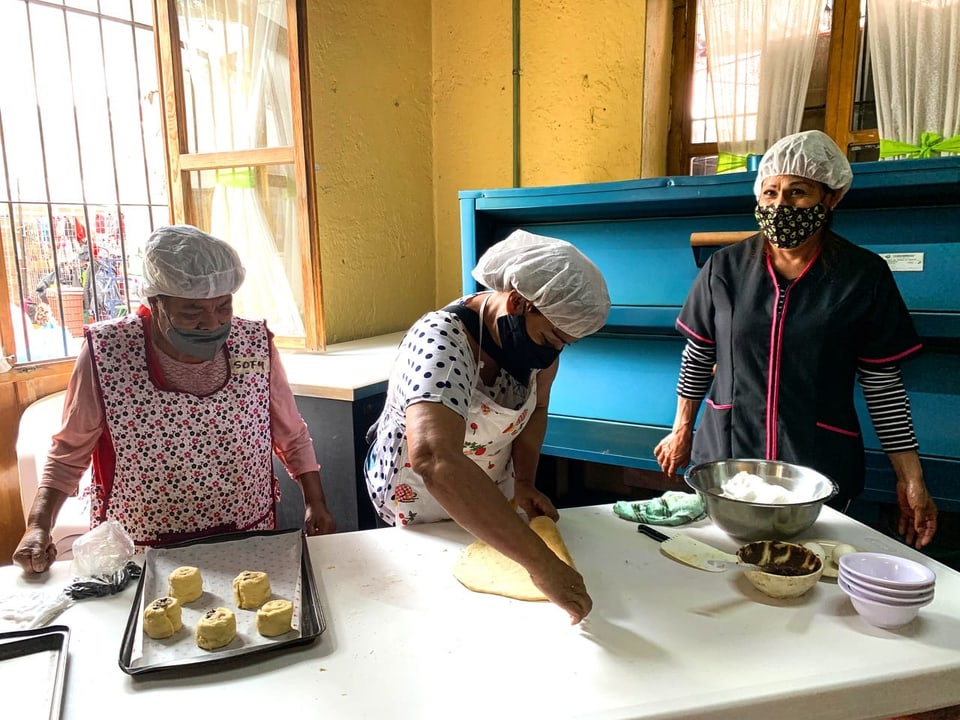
7	335
37	370
842	72
167	42
303	160
681	86
723	237
257	157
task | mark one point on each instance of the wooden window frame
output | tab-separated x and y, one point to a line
181	162
841	84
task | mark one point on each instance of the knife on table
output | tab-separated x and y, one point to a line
652	532
690	551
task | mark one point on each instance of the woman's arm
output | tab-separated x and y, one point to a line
294	446
696	374
889	409
435	445
918	512
526	451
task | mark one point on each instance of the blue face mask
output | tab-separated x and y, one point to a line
520	353
203	344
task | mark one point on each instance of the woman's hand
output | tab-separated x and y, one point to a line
317	519
533	502
565	588
918	513
36	551
673	452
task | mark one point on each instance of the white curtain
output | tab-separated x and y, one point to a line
241	91
915	51
759	56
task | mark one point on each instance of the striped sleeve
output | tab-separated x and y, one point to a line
888	405
696	370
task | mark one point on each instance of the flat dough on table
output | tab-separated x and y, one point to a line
483	569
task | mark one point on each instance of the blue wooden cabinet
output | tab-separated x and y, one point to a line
614	397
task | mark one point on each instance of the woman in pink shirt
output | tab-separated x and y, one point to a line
180	407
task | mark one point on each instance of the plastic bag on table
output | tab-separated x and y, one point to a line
103	550
102	562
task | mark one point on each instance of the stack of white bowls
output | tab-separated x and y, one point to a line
888	591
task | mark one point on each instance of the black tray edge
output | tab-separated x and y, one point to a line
314	617
61	631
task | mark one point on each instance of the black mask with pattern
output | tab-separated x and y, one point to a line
788	227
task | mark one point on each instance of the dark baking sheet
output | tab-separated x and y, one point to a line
35	659
312	622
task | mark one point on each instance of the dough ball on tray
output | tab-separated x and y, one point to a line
162	618
274	618
216	628
251	589
185	583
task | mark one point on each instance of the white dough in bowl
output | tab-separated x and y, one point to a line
753	488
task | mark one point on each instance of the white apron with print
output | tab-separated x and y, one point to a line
491	430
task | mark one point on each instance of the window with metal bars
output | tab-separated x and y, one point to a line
83	178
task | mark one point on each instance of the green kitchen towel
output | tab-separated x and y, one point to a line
671	508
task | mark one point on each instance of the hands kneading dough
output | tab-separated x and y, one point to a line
483	569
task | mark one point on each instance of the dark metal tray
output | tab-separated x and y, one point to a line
312	622
35	659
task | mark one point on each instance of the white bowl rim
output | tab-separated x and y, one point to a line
892	593
927	576
865	594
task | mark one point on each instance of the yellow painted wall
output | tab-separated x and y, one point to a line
413	102
370	95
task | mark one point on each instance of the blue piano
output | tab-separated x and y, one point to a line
614	397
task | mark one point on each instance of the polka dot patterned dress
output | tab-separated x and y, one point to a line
435	363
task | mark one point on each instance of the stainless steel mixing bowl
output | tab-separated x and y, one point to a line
746	520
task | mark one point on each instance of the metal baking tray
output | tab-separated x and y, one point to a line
35	659
311	620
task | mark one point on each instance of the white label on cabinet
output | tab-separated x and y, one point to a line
904	262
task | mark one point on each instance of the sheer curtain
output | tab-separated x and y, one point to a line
759	56
915	50
240	81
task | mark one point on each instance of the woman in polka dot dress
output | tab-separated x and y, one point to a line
466	408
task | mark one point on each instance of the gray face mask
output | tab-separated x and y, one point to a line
203	344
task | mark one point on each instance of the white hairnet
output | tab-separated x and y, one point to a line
811	155
182	261
558	279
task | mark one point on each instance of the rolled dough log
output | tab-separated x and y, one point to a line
483	569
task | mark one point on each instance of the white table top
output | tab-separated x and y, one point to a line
345	371
404	638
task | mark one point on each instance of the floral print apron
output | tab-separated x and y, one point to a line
173	466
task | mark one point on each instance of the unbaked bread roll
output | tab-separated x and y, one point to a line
483	569
274	618
251	589
216	628
185	584
162	618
